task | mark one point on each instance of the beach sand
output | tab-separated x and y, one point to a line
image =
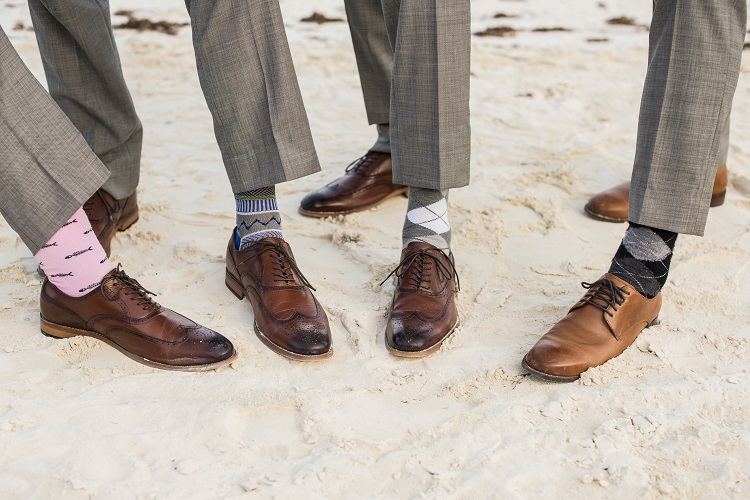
554	121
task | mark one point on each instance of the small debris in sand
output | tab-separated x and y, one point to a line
501	31
622	21
602	5
746	46
550	30
133	23
319	18
501	15
597	40
19	26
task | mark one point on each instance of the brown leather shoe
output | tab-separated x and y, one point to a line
121	313
423	312
599	327
612	205
288	318
367	182
108	215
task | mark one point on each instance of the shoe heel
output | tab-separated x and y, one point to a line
236	288
56	331
129	221
654	322
718	198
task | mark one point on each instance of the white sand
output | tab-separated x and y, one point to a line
668	418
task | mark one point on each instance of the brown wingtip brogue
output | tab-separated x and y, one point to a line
423	312
368	181
109	215
612	205
121	313
597	328
289	320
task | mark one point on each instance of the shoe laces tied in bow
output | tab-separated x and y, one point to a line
604	295
417	267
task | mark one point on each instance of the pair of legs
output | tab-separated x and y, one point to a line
695	49
91	137
413	60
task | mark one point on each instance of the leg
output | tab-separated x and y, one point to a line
369	180
430	130
430	145
46	172
694	64
38	146
85	78
248	79
680	127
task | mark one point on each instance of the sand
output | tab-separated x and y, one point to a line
554	119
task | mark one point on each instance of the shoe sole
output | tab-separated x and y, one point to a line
420	354
239	291
320	215
56	331
560	378
716	201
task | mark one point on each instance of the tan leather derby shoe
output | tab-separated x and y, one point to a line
120	313
599	327
288	318
423	312
612	205
367	182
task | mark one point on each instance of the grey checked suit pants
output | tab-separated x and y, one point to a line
245	69
414	64
695	47
47	171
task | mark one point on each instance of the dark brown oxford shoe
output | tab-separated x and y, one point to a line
108	215
423	312
367	182
612	205
597	328
288	318
121	313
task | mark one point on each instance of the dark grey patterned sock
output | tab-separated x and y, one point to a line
644	257
427	218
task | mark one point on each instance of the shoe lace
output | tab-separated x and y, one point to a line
284	267
360	163
132	288
417	267
604	294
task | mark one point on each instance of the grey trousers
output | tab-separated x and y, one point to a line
47	171
246	73
414	63
695	47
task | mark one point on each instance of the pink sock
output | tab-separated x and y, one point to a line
73	259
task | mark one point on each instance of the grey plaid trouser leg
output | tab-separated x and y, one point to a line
47	171
695	47
84	77
430	43
245	70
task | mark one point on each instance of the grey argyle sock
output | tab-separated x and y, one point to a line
643	258
427	218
